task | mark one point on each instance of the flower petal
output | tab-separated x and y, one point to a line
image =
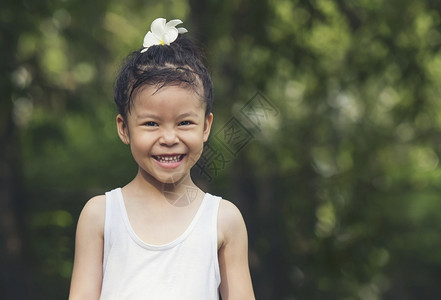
150	39
158	27
170	36
173	23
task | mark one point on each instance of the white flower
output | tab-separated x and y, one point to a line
162	33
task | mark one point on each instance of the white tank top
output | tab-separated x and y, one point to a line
186	268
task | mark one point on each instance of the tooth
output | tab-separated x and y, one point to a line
174	158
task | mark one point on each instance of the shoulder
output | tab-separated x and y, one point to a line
228	212
93	214
231	224
95	207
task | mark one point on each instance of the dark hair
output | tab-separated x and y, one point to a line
179	63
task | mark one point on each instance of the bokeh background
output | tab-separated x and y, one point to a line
341	190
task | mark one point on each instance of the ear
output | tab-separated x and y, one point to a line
207	126
123	130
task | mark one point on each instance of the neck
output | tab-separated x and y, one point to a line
178	193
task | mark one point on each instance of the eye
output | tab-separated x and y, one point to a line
185	123
151	124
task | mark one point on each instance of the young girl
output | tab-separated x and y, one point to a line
160	236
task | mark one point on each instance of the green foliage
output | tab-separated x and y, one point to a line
340	191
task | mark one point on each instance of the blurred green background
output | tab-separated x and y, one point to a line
341	191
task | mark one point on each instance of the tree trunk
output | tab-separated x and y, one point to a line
14	276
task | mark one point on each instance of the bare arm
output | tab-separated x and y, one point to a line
88	263
233	254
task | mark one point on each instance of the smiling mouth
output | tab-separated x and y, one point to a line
169	158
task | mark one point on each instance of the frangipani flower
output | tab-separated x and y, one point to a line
162	33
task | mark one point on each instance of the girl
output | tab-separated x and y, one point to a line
160	236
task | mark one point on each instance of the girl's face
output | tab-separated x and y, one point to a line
165	129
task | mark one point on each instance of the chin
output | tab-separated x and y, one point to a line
173	179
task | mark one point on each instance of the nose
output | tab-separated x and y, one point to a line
168	137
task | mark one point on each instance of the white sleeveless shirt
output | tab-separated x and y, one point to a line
186	268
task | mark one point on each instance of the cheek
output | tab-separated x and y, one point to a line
192	137
196	144
194	157
140	146
198	140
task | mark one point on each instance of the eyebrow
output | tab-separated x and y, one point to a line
188	114
147	116
153	116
